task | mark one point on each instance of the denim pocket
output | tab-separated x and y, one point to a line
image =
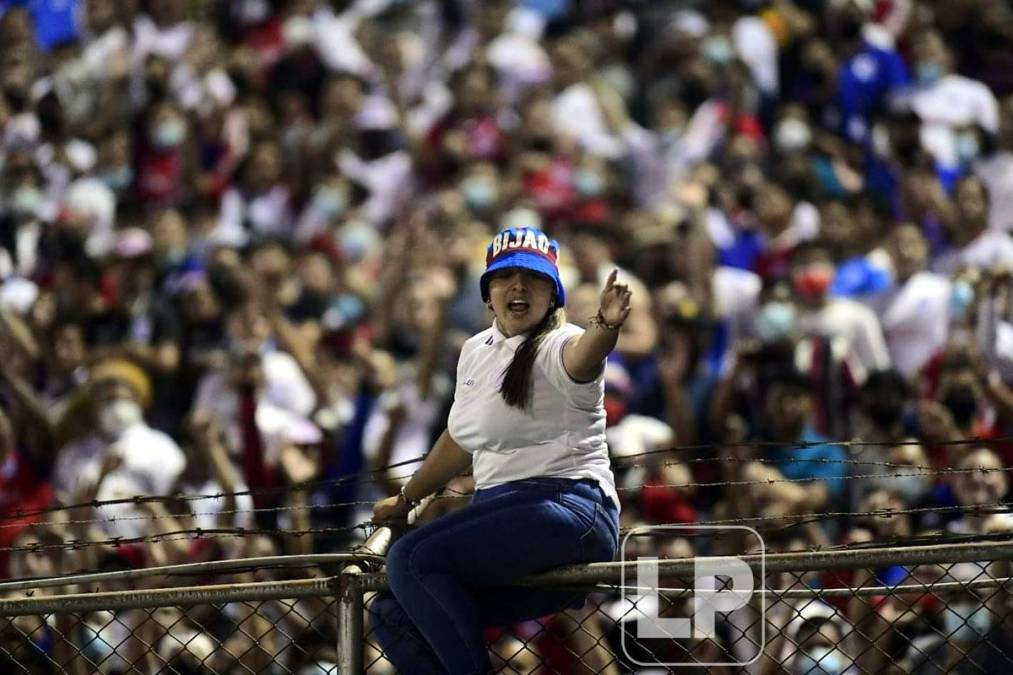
596	544
584	510
597	540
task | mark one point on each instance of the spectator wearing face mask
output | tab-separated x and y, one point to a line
166	159
958	410
480	187
947	102
813	641
123	454
883	404
827	363
812	273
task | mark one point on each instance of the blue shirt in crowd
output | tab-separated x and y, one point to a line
815	459
864	81
54	21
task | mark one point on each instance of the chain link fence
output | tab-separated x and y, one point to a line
912	609
276	636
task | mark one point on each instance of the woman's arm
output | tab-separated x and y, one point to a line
445	461
583	357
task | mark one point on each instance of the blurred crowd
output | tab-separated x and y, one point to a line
240	243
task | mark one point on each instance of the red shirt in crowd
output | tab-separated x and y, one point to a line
22	491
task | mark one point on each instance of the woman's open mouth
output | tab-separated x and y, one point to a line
517	308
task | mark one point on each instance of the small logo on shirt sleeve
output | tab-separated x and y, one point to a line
470	382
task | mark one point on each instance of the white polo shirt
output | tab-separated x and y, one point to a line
562	435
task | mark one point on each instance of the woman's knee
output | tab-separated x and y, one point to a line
398	561
414	555
384	609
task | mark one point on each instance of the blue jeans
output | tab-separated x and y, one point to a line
449	578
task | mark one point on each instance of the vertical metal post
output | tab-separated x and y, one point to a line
350	617
351	603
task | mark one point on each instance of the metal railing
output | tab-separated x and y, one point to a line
939	609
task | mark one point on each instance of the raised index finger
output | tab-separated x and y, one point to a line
611	280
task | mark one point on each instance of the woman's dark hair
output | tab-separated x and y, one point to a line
517	384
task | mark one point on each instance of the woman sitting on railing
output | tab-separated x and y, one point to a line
529	419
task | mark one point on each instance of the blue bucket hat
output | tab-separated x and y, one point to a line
526	248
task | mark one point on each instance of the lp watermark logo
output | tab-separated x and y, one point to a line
681	622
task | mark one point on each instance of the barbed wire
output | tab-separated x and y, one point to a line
375	474
185	535
306	486
805	518
803	444
728	459
849	476
208	533
367	526
196	533
265	509
177	516
921	472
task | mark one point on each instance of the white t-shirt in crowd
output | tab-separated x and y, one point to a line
285	387
842	317
757	47
170	43
414	434
951	102
561	436
267	214
388	178
997	173
335	43
520	60
916	320
103	49
151	463
990	249
736	293
576	112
